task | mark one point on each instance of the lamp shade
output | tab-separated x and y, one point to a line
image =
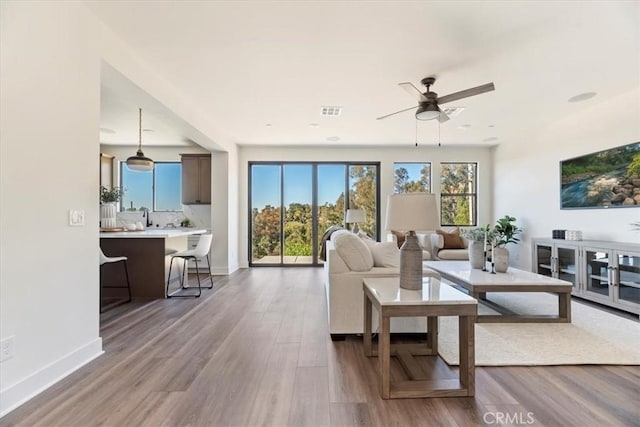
412	212
139	162
355	215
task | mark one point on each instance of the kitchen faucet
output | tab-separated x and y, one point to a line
146	214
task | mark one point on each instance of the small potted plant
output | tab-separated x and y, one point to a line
186	222
478	238
506	231
109	198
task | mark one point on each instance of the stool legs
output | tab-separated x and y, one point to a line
128	287
186	260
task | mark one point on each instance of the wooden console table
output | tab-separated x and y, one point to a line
435	299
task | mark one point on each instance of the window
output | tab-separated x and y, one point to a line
411	177
458	188
157	190
293	204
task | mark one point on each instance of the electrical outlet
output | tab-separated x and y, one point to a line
76	218
6	348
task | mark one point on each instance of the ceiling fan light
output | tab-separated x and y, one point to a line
427	112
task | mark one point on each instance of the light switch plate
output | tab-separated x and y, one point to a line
6	348
76	218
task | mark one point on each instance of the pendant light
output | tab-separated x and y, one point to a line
139	162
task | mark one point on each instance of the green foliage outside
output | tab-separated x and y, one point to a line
457	187
401	183
298	223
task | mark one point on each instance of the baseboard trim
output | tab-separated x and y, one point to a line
34	384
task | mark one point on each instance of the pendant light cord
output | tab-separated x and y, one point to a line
139	129
416	133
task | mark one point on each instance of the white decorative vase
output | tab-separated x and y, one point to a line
108	215
476	254
501	259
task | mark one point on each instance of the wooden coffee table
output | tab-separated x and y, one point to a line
435	299
479	282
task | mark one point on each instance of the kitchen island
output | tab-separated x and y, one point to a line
148	265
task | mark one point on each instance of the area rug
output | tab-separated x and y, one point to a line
594	336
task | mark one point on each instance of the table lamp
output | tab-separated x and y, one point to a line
411	212
354	216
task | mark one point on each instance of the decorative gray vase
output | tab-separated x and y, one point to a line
476	254
501	258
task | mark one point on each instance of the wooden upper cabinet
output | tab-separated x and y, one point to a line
196	179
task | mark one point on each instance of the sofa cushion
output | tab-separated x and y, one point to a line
385	254
453	254
353	251
452	240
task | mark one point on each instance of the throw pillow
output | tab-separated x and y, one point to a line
385	254
452	240
400	237
353	251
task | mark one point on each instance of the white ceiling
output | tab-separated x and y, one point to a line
252	63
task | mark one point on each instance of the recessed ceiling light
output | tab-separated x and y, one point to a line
148	130
491	138
314	125
333	138
268	125
491	126
107	130
582	97
465	126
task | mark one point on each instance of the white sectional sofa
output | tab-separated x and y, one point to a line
345	299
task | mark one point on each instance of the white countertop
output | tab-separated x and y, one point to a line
386	291
153	233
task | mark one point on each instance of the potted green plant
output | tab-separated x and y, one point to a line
506	231
110	195
186	222
109	198
478	238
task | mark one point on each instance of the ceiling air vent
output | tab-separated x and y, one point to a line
330	111
452	111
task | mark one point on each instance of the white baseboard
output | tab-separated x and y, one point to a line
24	390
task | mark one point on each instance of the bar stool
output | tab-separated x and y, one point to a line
201	250
108	260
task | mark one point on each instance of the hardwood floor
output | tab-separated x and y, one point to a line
255	351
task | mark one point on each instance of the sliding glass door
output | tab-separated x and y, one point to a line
292	204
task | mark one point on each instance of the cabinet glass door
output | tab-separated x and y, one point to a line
566	265
628	277
543	260
597	279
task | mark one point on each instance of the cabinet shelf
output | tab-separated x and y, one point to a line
567	271
630	284
545	266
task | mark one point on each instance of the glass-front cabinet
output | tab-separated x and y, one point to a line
557	260
604	272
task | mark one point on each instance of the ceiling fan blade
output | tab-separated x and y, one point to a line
443	117
397	112
413	91
466	93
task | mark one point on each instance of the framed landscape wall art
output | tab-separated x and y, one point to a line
605	179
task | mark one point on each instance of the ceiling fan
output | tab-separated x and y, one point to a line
428	102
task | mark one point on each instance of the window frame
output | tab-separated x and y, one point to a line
473	195
123	164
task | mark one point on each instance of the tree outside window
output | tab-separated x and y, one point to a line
458	190
412	177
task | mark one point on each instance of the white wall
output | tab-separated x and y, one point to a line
385	155
527	175
50	70
49	120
